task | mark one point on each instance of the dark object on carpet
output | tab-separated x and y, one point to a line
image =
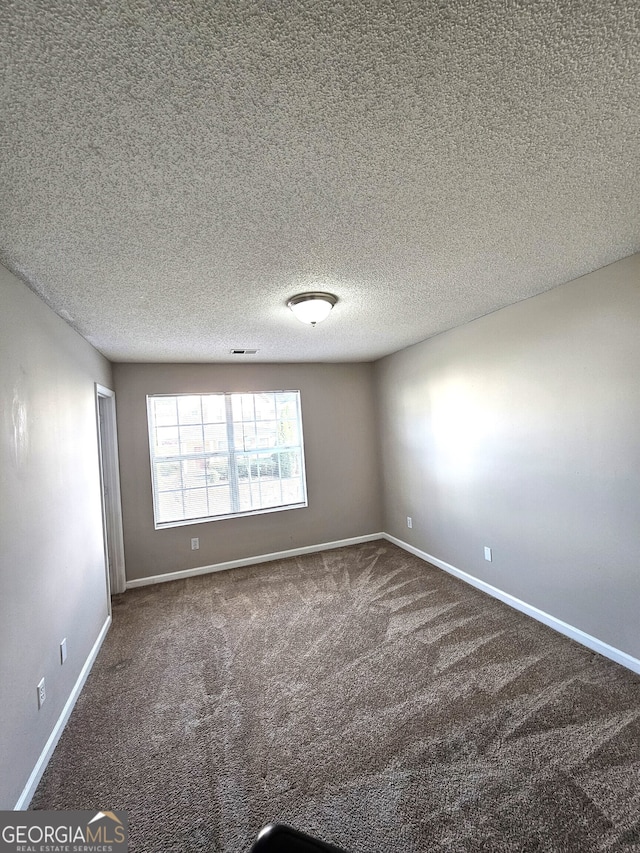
280	838
361	695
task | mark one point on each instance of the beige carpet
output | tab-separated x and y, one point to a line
360	695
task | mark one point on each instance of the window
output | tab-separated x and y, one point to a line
220	455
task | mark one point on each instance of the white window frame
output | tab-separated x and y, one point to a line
233	454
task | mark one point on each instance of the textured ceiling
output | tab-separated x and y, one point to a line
172	172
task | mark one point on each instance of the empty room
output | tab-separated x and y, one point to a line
320	457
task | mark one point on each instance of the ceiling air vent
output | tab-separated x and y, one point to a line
243	351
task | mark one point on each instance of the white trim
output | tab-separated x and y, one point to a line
250	561
576	634
54	737
232	454
165	525
110	481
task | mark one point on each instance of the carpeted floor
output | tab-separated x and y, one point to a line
360	695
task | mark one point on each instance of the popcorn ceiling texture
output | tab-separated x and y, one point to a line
172	172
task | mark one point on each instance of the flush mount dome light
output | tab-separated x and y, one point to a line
312	307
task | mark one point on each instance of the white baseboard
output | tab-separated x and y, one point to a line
576	634
54	737
250	561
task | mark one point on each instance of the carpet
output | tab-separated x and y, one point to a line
360	695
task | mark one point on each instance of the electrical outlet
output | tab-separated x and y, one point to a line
409	521
195	544
63	651
42	694
487	554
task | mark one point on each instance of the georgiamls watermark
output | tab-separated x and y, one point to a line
63	832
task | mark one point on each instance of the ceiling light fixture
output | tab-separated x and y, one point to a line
312	307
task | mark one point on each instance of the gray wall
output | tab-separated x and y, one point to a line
52	572
340	450
521	431
518	431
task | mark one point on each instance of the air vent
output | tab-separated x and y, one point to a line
243	351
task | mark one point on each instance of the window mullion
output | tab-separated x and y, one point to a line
233	465
184	507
